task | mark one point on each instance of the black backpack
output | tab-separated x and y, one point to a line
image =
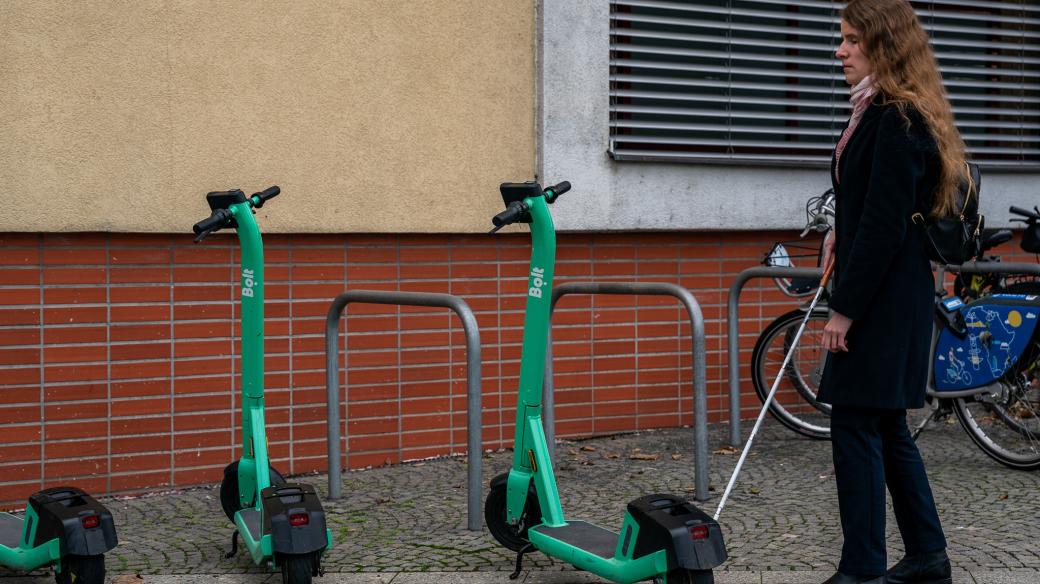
955	239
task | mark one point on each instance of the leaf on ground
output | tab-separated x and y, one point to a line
588	448
611	455
726	450
754	490
572	451
1003	496
127	579
639	456
677	457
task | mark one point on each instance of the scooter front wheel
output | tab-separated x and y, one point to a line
512	535
81	570
299	569
229	495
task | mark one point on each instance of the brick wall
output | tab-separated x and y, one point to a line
118	352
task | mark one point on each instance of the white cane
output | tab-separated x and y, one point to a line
776	384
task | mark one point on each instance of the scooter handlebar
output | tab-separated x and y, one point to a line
553	192
217	220
513	212
265	195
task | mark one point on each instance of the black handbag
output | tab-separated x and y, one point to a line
954	239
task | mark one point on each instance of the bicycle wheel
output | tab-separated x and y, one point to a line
1005	424
794	405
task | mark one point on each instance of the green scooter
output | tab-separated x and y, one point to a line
282	524
62	526
663	537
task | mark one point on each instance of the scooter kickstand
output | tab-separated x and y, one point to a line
520	560
234	545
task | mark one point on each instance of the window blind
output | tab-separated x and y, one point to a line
756	81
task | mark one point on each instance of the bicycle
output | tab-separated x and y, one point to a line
1000	411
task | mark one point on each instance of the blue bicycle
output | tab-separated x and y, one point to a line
985	367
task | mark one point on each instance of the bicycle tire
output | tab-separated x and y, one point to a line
986	420
794	405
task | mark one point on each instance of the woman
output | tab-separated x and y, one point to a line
900	154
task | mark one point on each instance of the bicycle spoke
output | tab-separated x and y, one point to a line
1006	427
794	403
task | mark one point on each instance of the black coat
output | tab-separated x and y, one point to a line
883	280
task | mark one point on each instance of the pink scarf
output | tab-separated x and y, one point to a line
862	94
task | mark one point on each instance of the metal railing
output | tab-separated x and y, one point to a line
733	340
733	315
473	377
700	396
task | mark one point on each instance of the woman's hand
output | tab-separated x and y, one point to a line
834	333
830	246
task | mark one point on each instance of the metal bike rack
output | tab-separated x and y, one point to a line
733	317
733	340
473	405
700	396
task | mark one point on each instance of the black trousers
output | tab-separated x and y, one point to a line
872	448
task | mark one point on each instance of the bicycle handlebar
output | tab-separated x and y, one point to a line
1024	212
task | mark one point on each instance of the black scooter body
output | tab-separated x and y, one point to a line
693	539
61	511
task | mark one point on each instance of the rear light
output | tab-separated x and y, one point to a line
299	519
90	521
699	532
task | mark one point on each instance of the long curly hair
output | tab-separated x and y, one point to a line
907	74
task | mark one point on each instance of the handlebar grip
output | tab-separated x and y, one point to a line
553	192
265	195
513	212
218	219
1023	212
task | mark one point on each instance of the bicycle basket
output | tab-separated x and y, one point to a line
780	256
1031	238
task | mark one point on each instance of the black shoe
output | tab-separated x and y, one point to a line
930	568
840	578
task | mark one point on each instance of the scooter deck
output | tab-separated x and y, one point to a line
582	534
595	549
10	530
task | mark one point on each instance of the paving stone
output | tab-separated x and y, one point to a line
795	577
781	521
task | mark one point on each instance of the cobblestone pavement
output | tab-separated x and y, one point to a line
780	525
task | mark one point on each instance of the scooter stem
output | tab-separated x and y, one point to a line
254	439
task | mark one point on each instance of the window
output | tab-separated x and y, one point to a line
756	81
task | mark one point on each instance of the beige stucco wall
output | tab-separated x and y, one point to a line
373	116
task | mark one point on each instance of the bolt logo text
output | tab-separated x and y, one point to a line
247	282
537	281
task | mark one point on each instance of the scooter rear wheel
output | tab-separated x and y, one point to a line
298	569
512	535
82	570
229	499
